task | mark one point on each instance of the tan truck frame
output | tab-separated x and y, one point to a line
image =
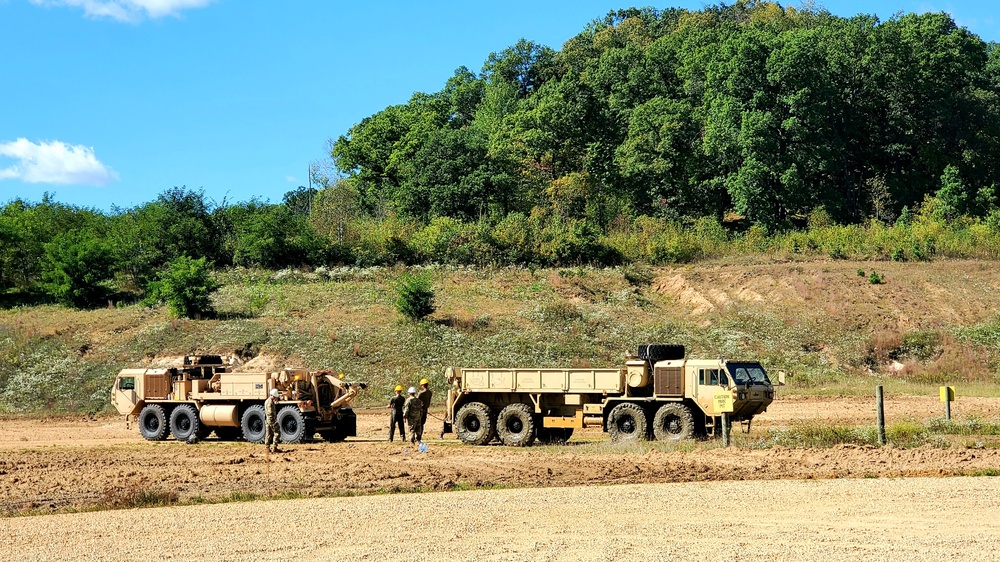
666	400
203	396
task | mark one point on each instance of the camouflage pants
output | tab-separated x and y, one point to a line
416	431
271	434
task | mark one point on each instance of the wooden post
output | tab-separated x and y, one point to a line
725	429
947	410
881	415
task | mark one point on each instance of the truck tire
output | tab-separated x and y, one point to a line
516	425
153	423
346	427
656	352
553	435
252	424
184	422
627	422
673	422
474	425
292	425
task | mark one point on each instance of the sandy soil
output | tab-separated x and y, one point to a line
60	463
913	519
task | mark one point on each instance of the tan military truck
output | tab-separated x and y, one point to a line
658	394
205	395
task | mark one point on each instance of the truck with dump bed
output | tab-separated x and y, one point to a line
659	394
205	395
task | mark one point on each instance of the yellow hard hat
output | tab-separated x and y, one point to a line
424	381
399	387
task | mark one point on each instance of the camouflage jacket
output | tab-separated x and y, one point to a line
270	410
413	408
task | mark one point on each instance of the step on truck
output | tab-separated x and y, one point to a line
658	394
206	395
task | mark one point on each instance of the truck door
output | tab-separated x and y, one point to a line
711	380
123	394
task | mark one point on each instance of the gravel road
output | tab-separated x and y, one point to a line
860	519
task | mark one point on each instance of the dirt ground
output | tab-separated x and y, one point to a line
59	463
913	519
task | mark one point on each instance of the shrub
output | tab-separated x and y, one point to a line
185	286
415	297
876	279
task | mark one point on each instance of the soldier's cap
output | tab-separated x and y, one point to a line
274	392
411	390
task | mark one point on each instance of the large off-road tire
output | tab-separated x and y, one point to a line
292	425
627	422
252	424
184	422
153	423
340	432
516	425
553	435
673	422
655	352
228	433
474	425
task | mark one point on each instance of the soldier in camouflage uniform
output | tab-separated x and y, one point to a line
271	432
413	411
424	395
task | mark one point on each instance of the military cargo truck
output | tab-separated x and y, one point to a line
658	394
206	395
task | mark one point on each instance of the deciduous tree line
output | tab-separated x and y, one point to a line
752	108
652	136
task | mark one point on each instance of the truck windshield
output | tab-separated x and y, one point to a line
748	373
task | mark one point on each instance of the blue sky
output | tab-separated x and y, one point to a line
109	102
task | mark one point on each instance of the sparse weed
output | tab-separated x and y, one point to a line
134	496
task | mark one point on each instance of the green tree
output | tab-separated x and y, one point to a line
257	234
185	285
76	268
415	296
179	222
952	197
299	201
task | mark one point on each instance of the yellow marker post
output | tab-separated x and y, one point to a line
723	402
947	395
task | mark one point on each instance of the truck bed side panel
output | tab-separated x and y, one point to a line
543	380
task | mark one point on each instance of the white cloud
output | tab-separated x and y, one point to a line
291	179
54	162
128	10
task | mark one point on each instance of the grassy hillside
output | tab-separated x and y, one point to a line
823	322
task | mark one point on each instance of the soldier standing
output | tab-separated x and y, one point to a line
396	414
271	421
424	395
413	411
